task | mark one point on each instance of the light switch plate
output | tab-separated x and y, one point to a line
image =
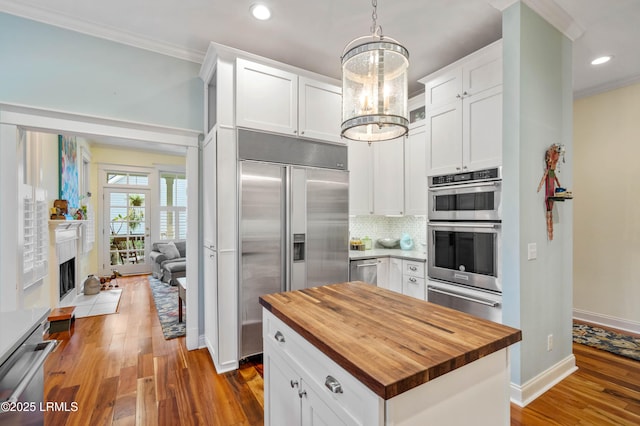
532	251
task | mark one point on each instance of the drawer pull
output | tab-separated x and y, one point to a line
279	337
302	393
294	383
333	385
413	268
413	280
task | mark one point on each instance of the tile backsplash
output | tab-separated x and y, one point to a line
376	227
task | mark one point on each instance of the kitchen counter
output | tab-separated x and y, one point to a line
16	326
389	342
380	252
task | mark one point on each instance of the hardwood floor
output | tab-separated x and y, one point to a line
120	371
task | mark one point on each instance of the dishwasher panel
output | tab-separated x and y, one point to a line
365	270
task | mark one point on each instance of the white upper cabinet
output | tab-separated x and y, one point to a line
319	110
267	98
376	177
415	172
360	178
279	101
464	113
388	177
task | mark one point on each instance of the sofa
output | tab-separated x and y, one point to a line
169	260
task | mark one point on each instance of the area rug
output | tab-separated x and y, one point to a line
105	302
165	297
610	341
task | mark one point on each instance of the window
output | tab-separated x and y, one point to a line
173	206
135	179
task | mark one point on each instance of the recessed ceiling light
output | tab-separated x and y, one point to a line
601	60
260	11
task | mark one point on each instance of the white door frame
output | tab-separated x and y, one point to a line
15	117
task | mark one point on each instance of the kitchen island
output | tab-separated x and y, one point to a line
355	354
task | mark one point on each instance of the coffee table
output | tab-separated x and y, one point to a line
182	295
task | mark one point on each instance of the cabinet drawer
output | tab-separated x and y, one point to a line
414	287
356	404
413	269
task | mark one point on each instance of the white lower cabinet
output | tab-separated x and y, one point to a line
303	386
413	283
382	272
395	275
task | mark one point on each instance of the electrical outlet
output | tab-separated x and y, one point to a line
532	251
550	342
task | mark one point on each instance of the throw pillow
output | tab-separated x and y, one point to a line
169	250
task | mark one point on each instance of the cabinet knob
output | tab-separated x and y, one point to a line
413	268
295	131
413	280
302	393
333	385
464	167
294	383
302	132
457	168
279	337
465	93
458	96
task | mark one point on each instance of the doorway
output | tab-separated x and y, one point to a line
126	221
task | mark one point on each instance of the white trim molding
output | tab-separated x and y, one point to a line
607	321
118	35
525	394
550	11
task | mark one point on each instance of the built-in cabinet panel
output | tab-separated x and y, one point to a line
464	113
209	175
210	297
279	101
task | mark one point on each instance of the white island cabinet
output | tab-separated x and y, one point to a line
356	354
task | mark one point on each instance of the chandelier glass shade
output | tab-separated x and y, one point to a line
374	87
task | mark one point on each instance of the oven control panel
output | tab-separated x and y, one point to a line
466	177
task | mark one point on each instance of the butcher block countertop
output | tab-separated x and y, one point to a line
388	341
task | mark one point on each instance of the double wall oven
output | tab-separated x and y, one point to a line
464	242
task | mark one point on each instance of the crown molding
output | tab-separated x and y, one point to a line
117	35
606	87
551	12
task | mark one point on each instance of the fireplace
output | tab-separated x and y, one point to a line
67	277
64	262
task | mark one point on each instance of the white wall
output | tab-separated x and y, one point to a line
537	113
607	208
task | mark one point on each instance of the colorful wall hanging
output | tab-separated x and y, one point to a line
550	179
68	167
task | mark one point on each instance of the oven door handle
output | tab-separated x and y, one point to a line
464	185
466	224
490	303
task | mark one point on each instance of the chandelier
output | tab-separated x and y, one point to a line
374	86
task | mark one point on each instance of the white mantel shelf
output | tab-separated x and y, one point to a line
66	224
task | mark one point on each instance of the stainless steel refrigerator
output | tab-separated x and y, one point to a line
293	223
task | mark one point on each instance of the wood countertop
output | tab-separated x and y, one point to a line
388	341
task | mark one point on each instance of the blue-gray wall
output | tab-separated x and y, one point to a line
538	113
52	68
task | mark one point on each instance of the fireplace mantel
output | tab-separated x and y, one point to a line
63	245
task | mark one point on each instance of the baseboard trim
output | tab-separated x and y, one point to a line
525	394
607	321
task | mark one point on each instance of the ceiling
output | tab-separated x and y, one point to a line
312	35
